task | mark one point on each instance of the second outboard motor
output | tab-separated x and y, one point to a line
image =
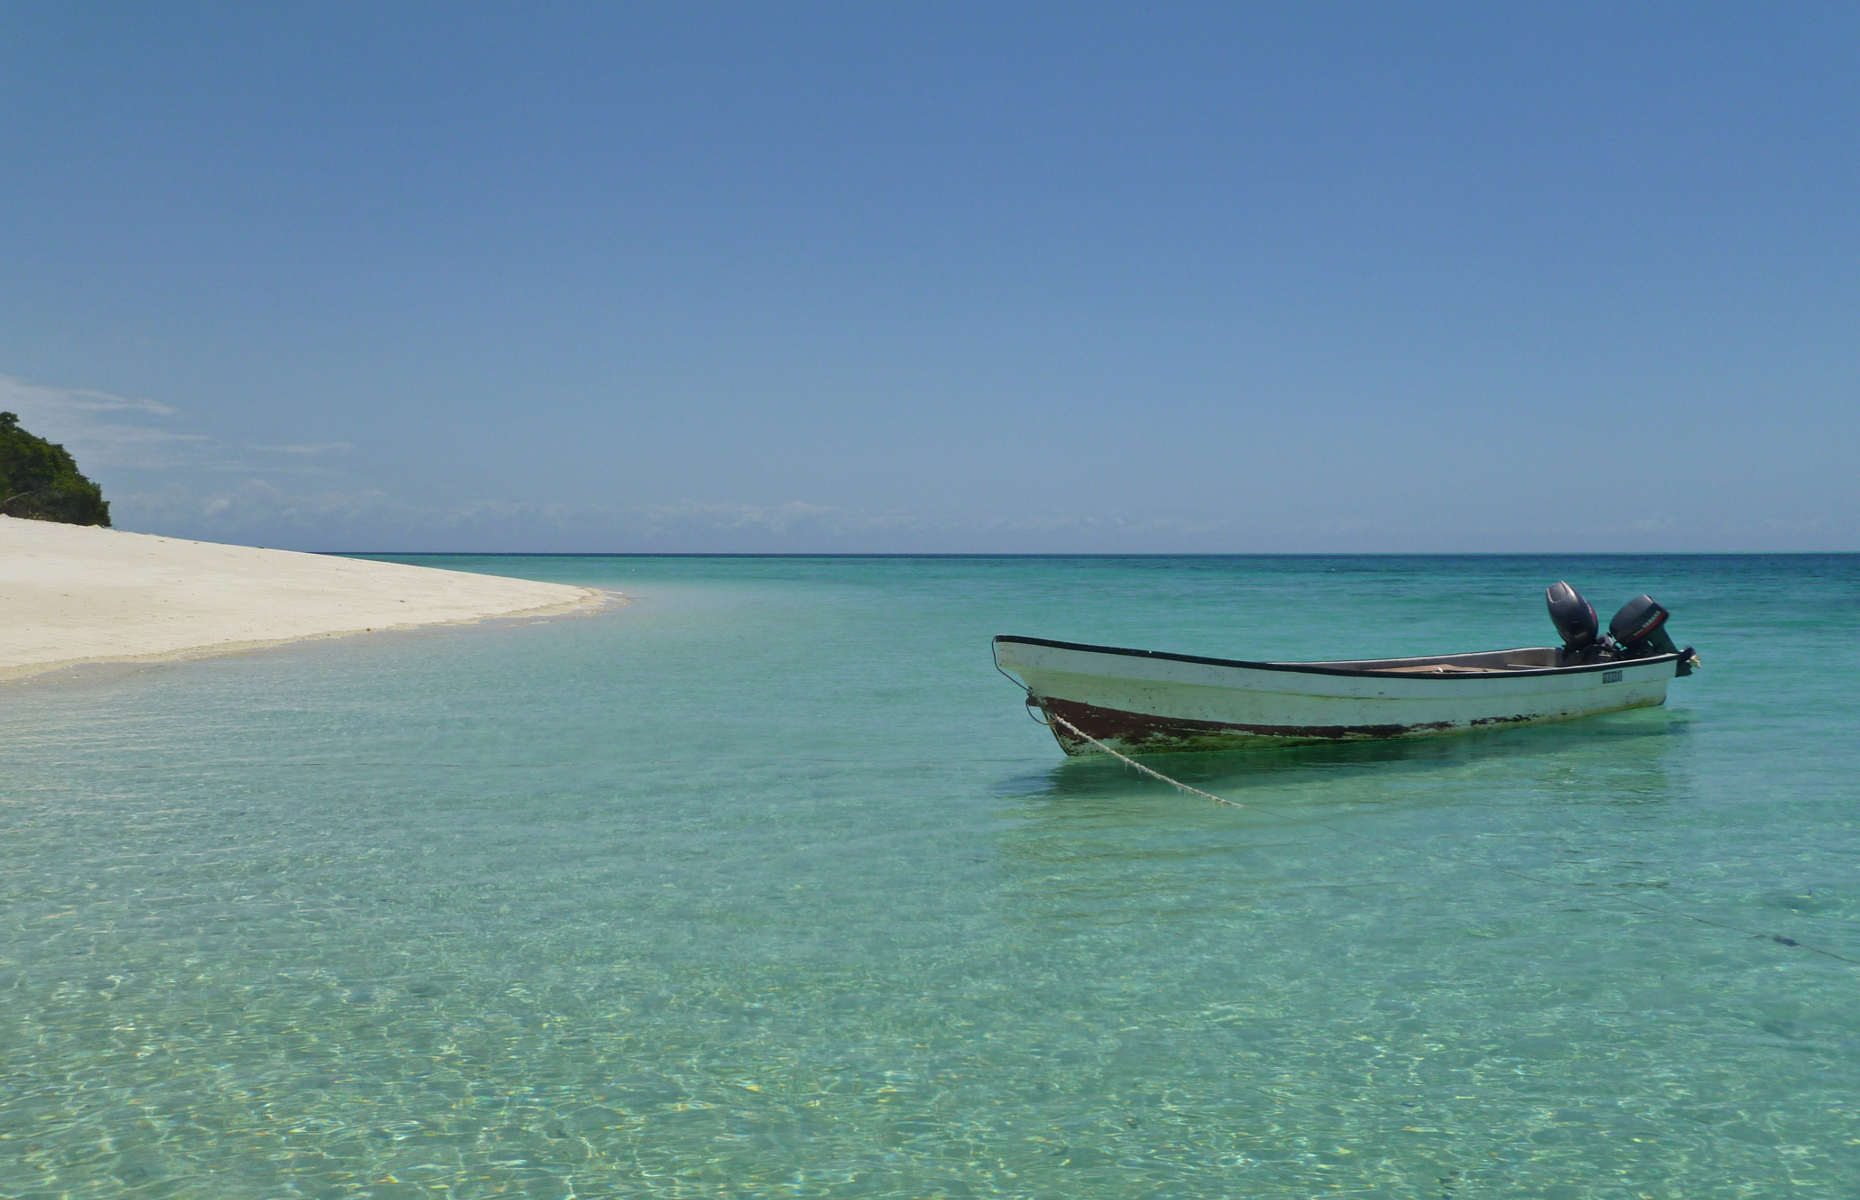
1575	622
1640	628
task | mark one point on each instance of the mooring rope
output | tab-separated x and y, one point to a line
1177	784
1624	901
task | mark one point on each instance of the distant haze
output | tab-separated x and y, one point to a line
1031	278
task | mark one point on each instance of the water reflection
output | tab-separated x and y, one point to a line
1448	831
1625	755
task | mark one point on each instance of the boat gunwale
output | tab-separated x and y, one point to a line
1320	668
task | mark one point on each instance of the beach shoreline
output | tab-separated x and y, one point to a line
78	596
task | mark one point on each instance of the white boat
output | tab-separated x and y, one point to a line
1137	701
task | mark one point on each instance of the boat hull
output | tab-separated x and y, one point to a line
1139	701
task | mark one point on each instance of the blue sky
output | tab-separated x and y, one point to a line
942	278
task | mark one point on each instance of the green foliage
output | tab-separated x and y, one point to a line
39	479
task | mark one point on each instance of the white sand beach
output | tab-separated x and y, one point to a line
72	594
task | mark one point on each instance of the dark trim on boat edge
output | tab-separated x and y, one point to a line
1613	664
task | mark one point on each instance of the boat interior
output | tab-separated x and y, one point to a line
1529	658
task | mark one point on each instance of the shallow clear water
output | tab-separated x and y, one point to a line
764	885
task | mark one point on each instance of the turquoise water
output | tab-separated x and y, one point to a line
763	885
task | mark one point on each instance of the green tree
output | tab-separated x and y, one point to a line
39	479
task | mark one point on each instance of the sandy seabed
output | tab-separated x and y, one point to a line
74	594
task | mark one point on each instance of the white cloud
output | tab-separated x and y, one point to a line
160	476
776	518
307	448
99	429
793	517
14	389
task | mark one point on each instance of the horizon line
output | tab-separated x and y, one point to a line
1100	554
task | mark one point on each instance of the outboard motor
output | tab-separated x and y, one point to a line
1575	623
1640	628
1637	631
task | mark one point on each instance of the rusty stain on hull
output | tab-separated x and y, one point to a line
1143	731
1148	732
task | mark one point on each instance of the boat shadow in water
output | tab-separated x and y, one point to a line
1615	747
